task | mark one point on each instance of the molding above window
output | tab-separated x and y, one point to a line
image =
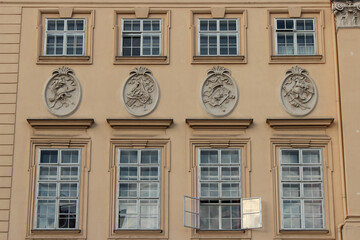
219	13
117	123
65	13
219	123
296	13
289	123
39	123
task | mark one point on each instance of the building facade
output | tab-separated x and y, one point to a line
179	120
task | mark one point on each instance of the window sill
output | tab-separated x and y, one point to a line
56	231
43	60
138	230
297	59
304	231
141	60
218	59
220	230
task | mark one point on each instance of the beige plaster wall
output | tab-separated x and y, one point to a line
258	83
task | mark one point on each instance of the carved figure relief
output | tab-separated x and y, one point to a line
346	14
219	93
141	92
298	92
62	92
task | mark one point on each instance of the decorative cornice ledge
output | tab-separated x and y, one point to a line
41	123
219	123
286	123
139	123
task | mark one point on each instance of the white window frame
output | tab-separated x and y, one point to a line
218	33
58	182
302	198
141	33
220	196
294	32
65	34
138	181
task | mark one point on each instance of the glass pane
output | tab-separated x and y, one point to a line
127	214
230	156
290	173
45	214
149	190
69	156
212	25
128	156
230	190
312	173
232	25
312	190
127	25
209	216
313	214
291	214
67	214
47	190
59	25
291	190
128	173
47	173
309	24
69	173
311	156
149	173
223	25
300	25
290	156
156	51
230	173
51	25
147	25
280	24
204	24
71	24
289	24
48	156
209	173
156	25
128	190
149	156
149	214
209	190
135	52
68	190
79	25
208	156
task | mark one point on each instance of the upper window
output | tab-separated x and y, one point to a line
218	37
141	37
57	194
138	198
220	189
301	189
65	37
295	37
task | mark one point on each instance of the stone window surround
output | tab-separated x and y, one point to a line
142	13
219	13
66	13
297	12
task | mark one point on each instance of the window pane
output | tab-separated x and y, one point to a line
68	190
47	190
300	25
209	173
147	25
127	25
79	25
128	173
230	190
290	156
230	156
71	24
208	156
230	173
59	25
51	25
71	156
149	156
313	214
49	156
232	25
47	173
149	173
311	156
149	190
291	190
290	173
69	173
136	25
209	190
209	216
212	25
223	25
156	25
128	190
128	156
45	214
67	214
289	24
127	214
312	190
149	214
204	25
280	24
309	25
291	214
312	173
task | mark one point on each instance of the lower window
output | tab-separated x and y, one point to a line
138	189
301	189
220	189
57	198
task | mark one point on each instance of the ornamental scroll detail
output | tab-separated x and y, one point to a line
141	92
219	93
62	92
298	92
346	14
